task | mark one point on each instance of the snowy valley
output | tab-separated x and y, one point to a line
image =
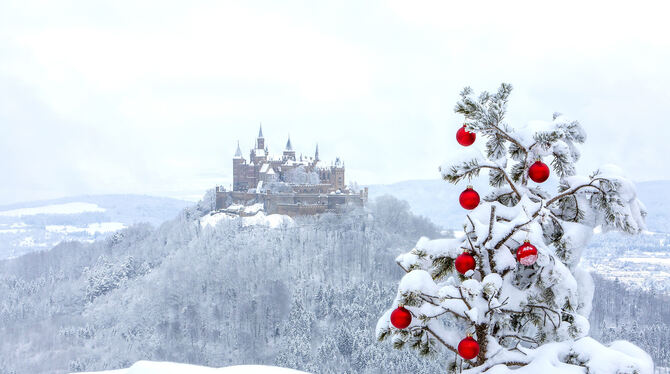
40	225
303	293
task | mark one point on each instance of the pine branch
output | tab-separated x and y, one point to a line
507	178
491	261
460	291
445	310
514	230
439	339
520	338
573	190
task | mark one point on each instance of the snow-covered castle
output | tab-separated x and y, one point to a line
286	184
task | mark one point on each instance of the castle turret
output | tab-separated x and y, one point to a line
260	141
316	154
337	176
289	153
238	152
259	154
239	164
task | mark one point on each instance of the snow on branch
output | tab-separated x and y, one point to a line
519	310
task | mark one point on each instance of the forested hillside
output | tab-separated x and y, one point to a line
212	296
621	312
305	296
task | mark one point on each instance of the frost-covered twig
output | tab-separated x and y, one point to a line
507	178
439	339
573	190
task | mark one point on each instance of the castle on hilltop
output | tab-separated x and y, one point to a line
286	184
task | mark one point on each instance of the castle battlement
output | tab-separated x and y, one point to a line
285	184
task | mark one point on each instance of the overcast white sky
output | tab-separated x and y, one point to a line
151	97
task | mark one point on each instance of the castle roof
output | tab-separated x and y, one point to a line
289	146
238	153
260	131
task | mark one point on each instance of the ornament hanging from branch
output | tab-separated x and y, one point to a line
469	198
526	254
401	317
468	348
464	263
465	137
538	172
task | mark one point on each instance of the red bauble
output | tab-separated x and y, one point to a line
469	198
401	317
468	348
464	263
538	172
465	137
526	254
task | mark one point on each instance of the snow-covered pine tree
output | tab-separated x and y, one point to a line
521	318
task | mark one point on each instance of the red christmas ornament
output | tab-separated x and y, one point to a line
526	254
469	198
464	263
401	317
538	172
465	137
468	348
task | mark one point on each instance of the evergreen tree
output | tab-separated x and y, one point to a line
513	307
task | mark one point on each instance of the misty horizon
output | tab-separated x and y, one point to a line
152	99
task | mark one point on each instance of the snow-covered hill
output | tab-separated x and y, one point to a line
223	293
39	225
212	291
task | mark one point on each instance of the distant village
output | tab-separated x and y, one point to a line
284	184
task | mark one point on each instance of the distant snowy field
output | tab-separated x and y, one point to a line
148	367
32	226
641	261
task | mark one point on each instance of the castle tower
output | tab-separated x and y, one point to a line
316	154
260	141
289	153
337	175
238	169
238	152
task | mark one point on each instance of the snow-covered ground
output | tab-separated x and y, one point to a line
91	228
641	261
548	359
259	219
150	367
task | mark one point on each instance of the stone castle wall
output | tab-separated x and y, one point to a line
291	204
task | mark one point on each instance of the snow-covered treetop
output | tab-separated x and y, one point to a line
512	309
510	152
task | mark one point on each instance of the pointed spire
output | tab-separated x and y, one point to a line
289	147
260	130
316	154
238	153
